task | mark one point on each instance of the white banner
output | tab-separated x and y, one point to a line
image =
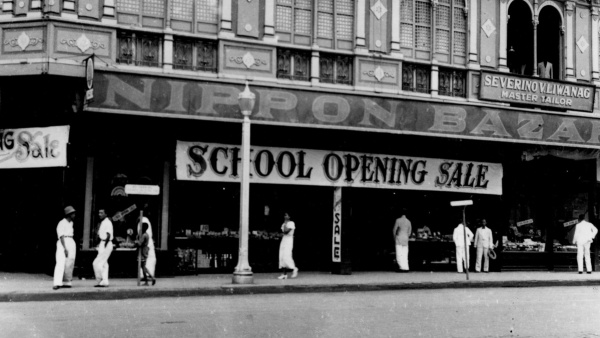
34	147
197	161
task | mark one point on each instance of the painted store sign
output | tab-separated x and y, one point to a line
536	91
132	94
34	147
222	163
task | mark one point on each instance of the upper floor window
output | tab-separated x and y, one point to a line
335	68
426	30
335	23
293	64
416	78
195	55
139	49
294	21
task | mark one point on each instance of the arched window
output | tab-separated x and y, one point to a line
549	53
520	38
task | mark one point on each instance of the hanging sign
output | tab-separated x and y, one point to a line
525	222
222	163
137	189
569	223
536	91
336	246
34	147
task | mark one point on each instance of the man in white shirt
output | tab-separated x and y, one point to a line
583	237
105	248
402	231
483	243
65	251
459	241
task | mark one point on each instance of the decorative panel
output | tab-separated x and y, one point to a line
82	42
378	18
248	15
51	6
238	59
23	40
381	74
21	7
488	48
89	9
583	45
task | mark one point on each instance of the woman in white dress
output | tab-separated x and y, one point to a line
151	260
285	249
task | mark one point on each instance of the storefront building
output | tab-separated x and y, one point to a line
362	108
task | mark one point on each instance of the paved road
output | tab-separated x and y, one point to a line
509	312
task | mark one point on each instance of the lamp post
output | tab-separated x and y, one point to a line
243	272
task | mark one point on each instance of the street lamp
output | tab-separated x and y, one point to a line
243	272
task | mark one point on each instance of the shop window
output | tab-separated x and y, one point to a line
416	78
452	82
139	49
195	55
293	64
521	54
294	21
335	23
335	69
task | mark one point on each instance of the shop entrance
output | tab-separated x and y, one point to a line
374	211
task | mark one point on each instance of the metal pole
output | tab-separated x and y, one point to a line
139	264
466	244
243	272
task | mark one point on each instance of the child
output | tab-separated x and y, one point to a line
143	243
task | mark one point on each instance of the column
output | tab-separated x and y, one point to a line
269	29
535	23
226	31
502	65
473	15
360	26
315	70
569	31
168	52
595	49
395	46
435	85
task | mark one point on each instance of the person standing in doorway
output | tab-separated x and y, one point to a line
105	248
65	251
402	230
151	259
585	232
459	241
143	244
285	248
483	242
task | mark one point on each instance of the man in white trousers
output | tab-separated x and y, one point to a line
105	248
402	230
583	238
65	251
459	241
483	242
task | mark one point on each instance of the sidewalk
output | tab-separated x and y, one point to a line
22	287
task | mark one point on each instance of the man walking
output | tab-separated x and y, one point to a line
483	242
583	237
459	241
65	251
105	248
402	230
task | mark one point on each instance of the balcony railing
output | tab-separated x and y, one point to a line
452	83
335	69
139	49
195	55
293	64
416	78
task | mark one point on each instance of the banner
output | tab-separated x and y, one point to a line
183	98
34	147
197	161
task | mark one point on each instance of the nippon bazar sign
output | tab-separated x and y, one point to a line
34	147
536	91
184	98
222	163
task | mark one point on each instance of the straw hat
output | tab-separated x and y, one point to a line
69	210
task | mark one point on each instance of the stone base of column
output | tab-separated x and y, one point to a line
243	277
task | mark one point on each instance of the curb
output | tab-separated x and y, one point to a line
231	289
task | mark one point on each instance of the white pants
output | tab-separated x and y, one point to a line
101	263
584	249
460	258
402	256
481	251
63	270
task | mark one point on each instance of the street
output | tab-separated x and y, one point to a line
506	312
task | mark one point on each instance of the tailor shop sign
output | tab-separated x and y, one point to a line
182	98
536	91
222	163
34	147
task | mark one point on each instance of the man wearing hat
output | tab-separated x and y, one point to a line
65	251
105	248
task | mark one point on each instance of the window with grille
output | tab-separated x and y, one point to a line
335	23
447	22
294	21
139	49
293	64
416	78
195	55
452	82
335	69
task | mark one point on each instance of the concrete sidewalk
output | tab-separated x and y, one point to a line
22	287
